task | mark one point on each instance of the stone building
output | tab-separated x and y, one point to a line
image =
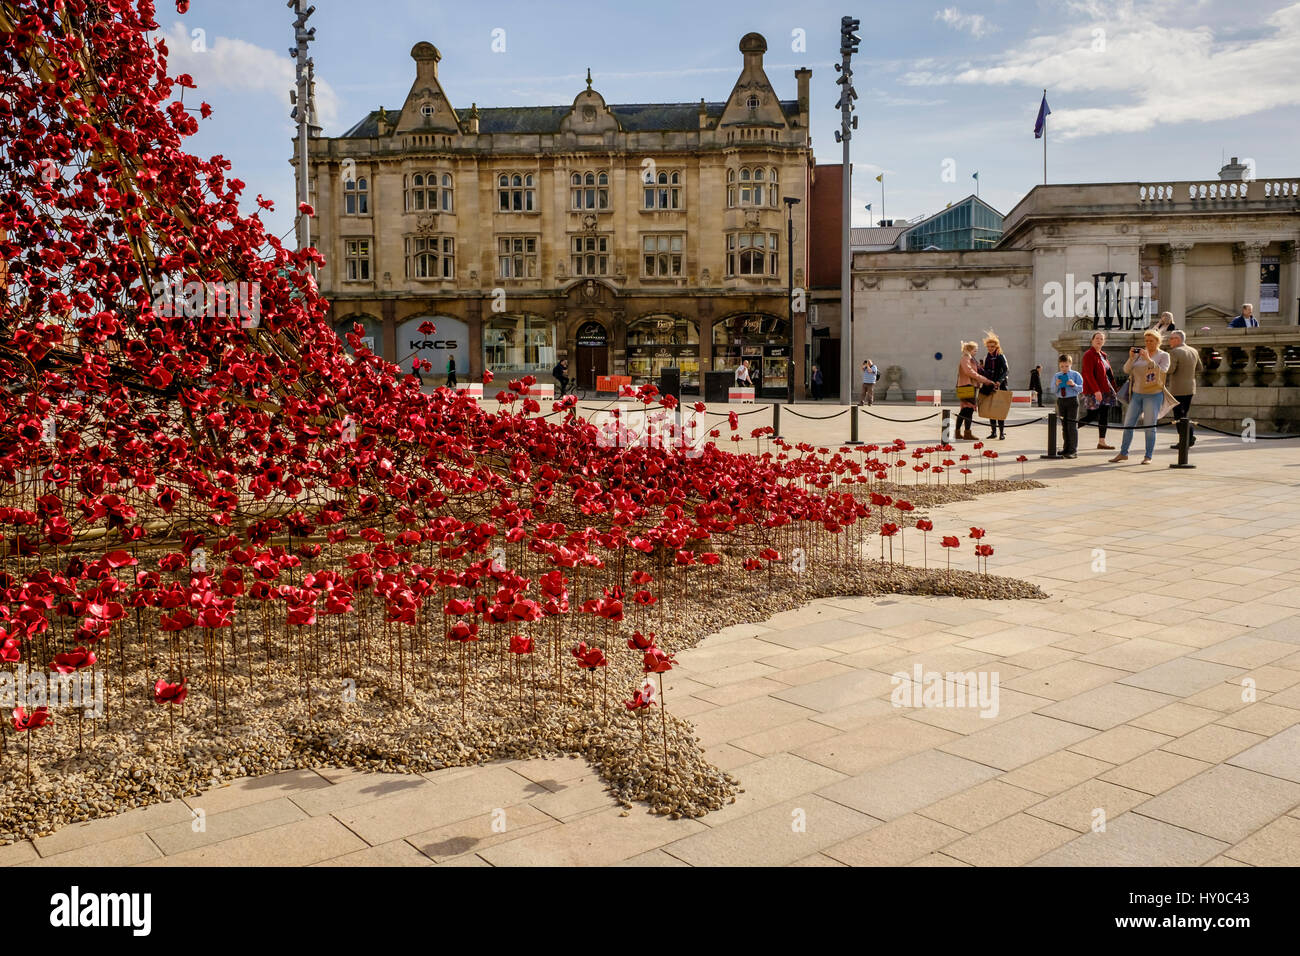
1069	255
625	238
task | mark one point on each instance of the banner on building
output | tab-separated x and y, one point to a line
1270	272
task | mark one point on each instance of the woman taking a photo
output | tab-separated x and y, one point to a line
995	371
968	376
1098	388
1146	368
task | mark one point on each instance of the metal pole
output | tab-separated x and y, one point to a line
790	202
1184	428
853	425
849	43
302	107
945	423
1051	437
776	419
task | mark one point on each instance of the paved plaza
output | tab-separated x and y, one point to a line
1125	733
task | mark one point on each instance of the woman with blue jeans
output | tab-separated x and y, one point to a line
1146	368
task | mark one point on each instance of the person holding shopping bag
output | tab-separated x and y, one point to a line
1146	368
968	376
995	370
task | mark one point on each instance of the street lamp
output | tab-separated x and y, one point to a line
790	203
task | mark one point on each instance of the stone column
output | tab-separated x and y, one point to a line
388	308
1177	298
1290	284
1250	256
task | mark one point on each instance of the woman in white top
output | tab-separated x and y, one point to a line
1146	368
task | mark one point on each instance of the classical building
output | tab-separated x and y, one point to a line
1110	254
625	238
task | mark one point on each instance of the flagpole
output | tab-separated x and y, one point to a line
1044	142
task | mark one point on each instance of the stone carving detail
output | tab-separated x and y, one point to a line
426	224
752	219
965	283
1178	251
919	282
1020	281
869	282
893	379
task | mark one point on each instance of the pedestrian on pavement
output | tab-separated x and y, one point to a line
1098	389
1067	386
1184	365
968	376
1036	383
742	375
1147	368
451	371
869	375
996	370
816	382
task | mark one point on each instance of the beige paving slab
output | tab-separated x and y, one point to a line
396	853
776	836
747	717
1087	805
874	745
120	851
1134	840
598	839
1245	651
1276	844
1005	704
15	853
1155	772
1065	679
1120	744
895	843
1107	706
1182	676
980	806
841	690
1056	772
1213	743
817	859
906	785
358	789
1226	803
1262	718
785	738
215	827
296	844
653	858
1278	756
575	798
250	790
1018	741
1015	841
399	815
770	780
1137	654
106	829
477	833
1176	720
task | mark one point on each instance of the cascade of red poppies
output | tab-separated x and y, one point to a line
198	489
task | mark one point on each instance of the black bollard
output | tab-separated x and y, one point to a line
1184	427
945	423
776	420
853	425
1051	438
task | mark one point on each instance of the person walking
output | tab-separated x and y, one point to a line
816	383
561	375
1184	365
451	372
742	375
1036	383
1067	386
1147	368
996	370
869	375
1098	389
968	376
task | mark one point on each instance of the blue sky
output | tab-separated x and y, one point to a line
1149	90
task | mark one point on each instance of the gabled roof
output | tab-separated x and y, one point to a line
875	235
632	117
971	199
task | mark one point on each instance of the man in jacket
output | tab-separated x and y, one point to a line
1036	383
1184	365
1246	320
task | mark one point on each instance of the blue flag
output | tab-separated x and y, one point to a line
1040	125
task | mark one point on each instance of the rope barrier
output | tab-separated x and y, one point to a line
764	408
815	418
901	421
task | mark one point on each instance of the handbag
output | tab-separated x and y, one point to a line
995	407
1125	393
966	393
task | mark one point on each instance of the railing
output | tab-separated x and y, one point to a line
1234	358
1270	189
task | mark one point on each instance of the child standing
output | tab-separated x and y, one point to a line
1067	385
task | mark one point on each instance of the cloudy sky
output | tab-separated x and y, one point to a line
1140	90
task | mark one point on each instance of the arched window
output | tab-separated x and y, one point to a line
752	254
516	192
423	193
664	191
590	190
773	191
356	196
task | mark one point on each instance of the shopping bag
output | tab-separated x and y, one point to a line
995	407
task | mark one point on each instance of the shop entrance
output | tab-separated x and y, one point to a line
592	357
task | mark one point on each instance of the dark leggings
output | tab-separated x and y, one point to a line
1099	416
966	415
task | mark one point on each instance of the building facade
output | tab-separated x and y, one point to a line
1071	253
624	239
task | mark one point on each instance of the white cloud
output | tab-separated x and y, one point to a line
1152	63
232	64
973	23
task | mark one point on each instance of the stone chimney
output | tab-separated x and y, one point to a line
802	77
704	115
1234	172
426	57
753	46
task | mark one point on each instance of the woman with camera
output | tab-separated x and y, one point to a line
1146	368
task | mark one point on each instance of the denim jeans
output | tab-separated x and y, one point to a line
1147	407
